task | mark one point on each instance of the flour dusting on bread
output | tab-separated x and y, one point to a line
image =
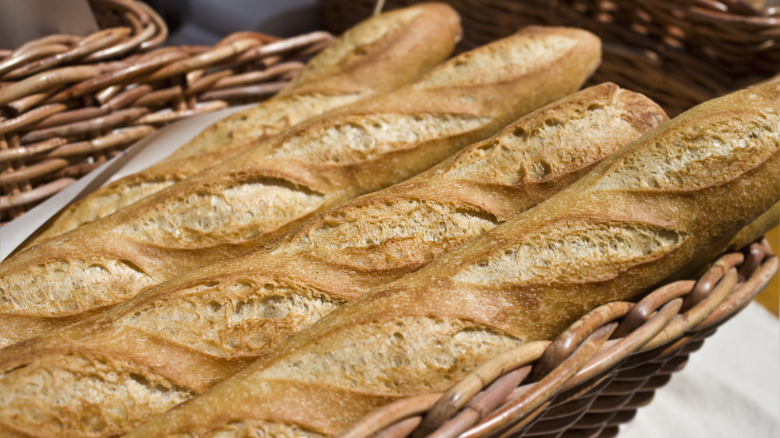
56	287
558	252
102	393
377	356
240	211
232	318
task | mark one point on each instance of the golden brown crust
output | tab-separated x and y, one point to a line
266	191
402	45
629	223
215	320
754	230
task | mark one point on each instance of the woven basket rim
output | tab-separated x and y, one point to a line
546	373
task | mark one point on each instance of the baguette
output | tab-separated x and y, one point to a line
756	229
616	232
745	236
191	332
376	56
260	194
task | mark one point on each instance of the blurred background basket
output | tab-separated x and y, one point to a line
677	52
68	103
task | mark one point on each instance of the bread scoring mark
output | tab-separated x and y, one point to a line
545	147
78	393
698	157
237	213
408	354
356	138
572	252
132	192
60	287
258	428
393	233
510	58
270	118
108	201
278	114
559	139
232	318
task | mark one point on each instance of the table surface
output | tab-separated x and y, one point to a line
730	388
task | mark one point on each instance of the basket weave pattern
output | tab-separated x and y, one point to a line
68	103
595	375
677	52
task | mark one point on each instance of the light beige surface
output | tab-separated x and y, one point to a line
219	318
464	100
729	388
427	329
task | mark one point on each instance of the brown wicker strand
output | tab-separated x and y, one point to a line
538	393
391	413
461	393
591	395
60	95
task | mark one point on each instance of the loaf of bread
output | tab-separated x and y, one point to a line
241	203
616	232
756	229
750	233
190	332
376	56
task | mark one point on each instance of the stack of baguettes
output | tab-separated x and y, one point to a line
280	182
406	42
635	219
417	309
193	331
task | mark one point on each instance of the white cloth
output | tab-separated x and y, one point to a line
730	388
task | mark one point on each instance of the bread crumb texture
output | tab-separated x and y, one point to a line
384	235
468	68
232	318
405	355
270	118
574	252
353	138
278	114
212	215
82	394
544	148
56	288
252	428
699	156
108	202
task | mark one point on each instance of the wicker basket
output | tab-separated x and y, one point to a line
677	52
595	375
69	103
